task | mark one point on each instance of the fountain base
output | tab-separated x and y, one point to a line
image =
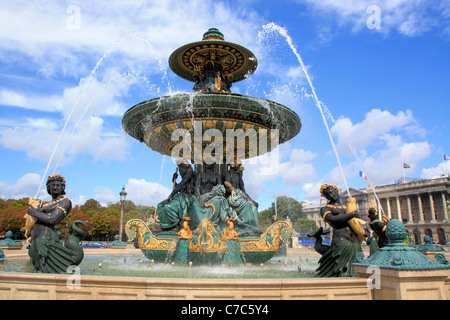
207	246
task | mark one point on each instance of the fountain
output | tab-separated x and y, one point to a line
213	129
216	226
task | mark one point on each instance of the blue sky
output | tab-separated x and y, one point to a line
380	69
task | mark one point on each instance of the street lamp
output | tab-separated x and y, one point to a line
123	196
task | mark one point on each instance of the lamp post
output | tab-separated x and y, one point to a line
123	196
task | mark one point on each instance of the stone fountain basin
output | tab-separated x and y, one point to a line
154	121
283	282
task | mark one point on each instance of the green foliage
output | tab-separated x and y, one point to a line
100	224
287	207
304	226
19	204
103	221
11	215
90	207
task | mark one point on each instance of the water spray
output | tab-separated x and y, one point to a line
282	31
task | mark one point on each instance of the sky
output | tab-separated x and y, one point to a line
70	69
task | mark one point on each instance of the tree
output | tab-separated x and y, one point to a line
287	207
11	219
304	226
11	215
90	207
19	204
100	225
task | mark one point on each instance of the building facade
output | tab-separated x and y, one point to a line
422	205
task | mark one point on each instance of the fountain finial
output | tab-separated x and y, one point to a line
213	58
213	34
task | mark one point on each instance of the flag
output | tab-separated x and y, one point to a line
362	174
446	157
405	165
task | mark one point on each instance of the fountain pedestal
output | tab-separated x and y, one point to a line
400	272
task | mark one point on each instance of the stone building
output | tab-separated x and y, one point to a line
421	205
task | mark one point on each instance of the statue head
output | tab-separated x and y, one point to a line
209	161
329	191
372	213
237	167
58	180
183	164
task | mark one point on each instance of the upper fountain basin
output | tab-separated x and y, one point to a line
154	121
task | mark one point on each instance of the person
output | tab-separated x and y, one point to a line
172	210
245	210
378	227
47	254
337	261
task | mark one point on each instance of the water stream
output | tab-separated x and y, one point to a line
83	84
271	28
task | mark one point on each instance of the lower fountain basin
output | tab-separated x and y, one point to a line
135	265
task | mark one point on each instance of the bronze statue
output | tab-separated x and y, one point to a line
47	254
378	227
187	184
207	179
337	260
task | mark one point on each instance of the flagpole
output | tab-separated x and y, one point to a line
404	177
445	165
370	182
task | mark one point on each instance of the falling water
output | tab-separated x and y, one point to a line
272	27
88	105
83	83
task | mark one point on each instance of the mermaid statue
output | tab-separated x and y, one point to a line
210	201
47	254
337	259
209	194
172	210
245	210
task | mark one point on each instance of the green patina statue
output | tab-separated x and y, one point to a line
203	195
117	243
2	256
9	243
47	254
428	245
399	256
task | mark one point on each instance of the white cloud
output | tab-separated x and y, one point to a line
116	43
105	195
294	171
89	137
408	17
43	31
146	193
30	101
26	186
386	166
441	169
367	132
